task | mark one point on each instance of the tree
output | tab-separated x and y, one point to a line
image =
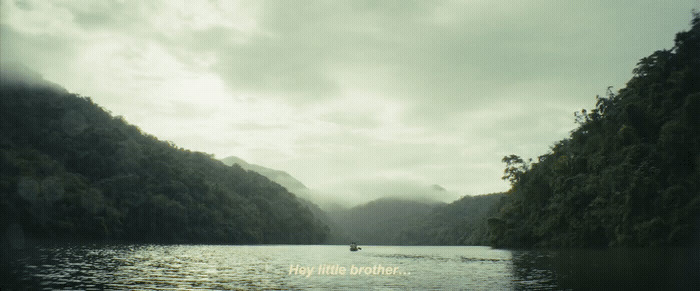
515	167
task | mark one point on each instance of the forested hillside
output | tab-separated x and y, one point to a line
69	170
461	222
381	221
335	234
402	222
629	175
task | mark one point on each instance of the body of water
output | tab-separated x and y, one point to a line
331	266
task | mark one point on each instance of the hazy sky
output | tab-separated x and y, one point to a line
354	98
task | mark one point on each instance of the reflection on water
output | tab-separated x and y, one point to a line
651	268
291	267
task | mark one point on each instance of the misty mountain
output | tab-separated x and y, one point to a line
336	234
381	221
628	176
390	221
279	177
69	170
286	180
462	222
18	74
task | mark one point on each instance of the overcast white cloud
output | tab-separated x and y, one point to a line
354	98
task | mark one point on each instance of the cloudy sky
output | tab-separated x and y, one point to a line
356	99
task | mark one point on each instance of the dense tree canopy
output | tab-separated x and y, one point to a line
629	175
70	170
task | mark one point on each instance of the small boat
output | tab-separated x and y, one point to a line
353	247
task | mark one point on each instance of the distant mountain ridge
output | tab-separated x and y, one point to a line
280	177
392	221
395	220
304	196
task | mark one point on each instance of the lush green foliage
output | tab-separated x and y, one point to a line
400	222
629	175
70	170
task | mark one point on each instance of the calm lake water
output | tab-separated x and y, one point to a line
380	267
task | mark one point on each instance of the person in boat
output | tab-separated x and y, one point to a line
353	247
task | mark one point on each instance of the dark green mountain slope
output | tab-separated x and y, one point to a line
461	222
381	221
401	222
70	170
335	235
628	176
